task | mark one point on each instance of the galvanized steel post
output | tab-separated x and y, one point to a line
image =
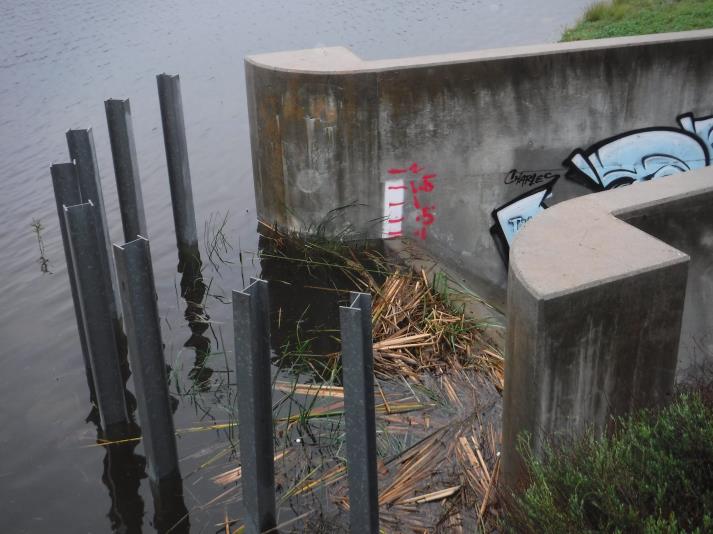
143	329
95	297
255	431
81	151
179	174
358	380
126	168
66	193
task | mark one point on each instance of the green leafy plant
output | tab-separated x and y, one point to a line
654	474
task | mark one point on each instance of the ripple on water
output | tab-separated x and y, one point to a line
58	62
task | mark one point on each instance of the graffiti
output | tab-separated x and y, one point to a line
529	178
701	127
634	156
639	156
511	217
394	193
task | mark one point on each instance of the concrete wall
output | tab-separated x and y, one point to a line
596	304
327	128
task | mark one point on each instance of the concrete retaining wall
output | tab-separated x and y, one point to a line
329	130
596	304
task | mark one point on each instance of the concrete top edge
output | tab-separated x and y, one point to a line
619	201
584	242
341	60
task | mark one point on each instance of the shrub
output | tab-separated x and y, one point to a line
654	474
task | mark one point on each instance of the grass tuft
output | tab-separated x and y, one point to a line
638	17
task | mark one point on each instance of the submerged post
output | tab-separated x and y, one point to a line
358	379
179	174
95	297
143	329
66	193
81	151
126	168
252	368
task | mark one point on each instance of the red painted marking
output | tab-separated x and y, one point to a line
396	203
427	185
414	168
428	217
392	221
397	187
394	234
416	203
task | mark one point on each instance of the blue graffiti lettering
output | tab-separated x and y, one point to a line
635	156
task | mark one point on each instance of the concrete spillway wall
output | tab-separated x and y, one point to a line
609	295
473	131
602	290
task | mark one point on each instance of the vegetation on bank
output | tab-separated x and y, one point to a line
653	475
618	18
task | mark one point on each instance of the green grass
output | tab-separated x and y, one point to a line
637	17
653	475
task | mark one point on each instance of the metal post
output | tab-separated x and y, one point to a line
95	295
66	192
179	174
126	168
252	358
358	379
143	329
81	151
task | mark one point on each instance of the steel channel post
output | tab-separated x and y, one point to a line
94	291
143	330
179	174
66	192
82	153
255	429
358	380
126	168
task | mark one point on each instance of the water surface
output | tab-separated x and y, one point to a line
59	60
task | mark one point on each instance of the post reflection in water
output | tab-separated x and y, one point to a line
193	290
170	513
122	475
123	471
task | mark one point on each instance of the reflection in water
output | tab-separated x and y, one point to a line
123	471
306	288
170	513
194	290
122	475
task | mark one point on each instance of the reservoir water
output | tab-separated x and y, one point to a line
59	60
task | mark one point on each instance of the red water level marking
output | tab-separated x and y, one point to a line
414	168
396	203
394	234
393	221
397	187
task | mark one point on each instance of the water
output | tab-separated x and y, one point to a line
58	62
